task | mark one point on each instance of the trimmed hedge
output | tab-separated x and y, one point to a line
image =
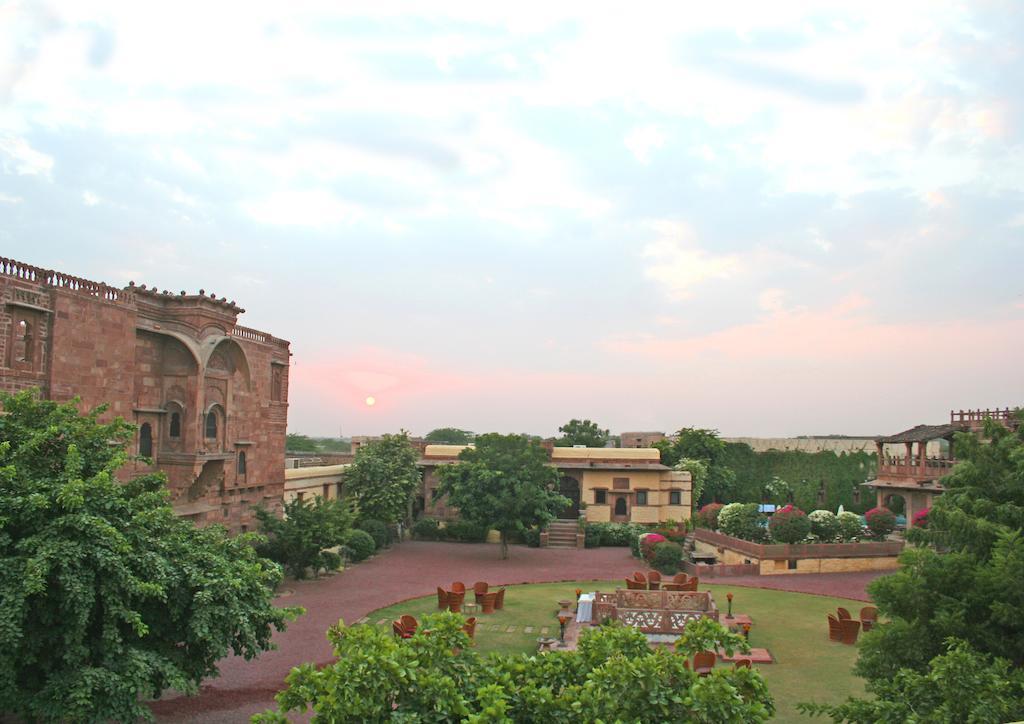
361	544
789	525
742	520
881	521
377	530
850	526
707	517
426	529
463	531
824	525
667	557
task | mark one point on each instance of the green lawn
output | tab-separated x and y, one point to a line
792	626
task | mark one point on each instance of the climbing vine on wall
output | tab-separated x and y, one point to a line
805	473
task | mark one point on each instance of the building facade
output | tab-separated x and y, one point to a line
912	463
621	485
209	397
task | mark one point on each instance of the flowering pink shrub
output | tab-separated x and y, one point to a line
881	521
921	518
647	544
789	525
708	515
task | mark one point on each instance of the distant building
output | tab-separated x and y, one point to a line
640	439
607	484
911	463
210	397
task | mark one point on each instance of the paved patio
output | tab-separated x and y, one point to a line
411	570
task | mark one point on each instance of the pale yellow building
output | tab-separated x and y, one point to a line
605	484
305	483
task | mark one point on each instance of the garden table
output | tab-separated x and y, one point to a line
585	608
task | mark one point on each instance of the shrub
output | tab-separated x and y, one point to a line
377	530
464	531
532	537
850	526
707	517
619	534
881	521
667	557
361	544
824	525
426	529
593	532
789	525
741	520
920	519
647	543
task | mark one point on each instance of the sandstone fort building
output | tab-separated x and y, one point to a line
209	397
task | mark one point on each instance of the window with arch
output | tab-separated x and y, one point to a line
146	440
211	423
620	506
174	428
21	346
241	463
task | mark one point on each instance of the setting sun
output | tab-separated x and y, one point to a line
371	401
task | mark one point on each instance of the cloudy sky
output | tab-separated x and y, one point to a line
769	218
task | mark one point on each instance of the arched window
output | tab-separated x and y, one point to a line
620	506
174	429
146	440
211	424
241	463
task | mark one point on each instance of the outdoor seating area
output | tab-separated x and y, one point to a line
654	611
651	581
844	628
406	626
484	599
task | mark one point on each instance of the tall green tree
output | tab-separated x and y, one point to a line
449	436
960	585
299	540
693	443
582	432
107	597
505	483
383	478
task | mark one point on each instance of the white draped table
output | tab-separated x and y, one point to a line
585	609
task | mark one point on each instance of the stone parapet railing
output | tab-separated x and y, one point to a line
866	549
655	611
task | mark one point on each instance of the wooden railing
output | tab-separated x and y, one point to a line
932	467
974	418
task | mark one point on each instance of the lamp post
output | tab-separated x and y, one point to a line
728	597
564	617
746	631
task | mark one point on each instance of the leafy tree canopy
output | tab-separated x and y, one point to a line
295	442
692	443
582	432
106	597
383	478
959	588
506	483
437	676
449	436
298	541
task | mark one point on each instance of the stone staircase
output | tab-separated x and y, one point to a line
562	534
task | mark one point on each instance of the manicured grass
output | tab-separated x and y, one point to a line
792	626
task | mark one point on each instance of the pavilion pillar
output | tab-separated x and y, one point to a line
909	454
880	452
922	453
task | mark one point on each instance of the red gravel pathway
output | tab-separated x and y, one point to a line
411	570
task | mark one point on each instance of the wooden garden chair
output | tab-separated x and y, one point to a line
653	580
742	664
842	613
499	599
704	662
487	602
455	599
835	631
868	618
409	623
479	589
849	628
442	598
399	631
470	626
459	587
634	585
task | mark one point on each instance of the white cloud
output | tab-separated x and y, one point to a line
18	157
315	209
9	199
676	262
644	139
89	198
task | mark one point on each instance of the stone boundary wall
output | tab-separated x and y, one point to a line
741	557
